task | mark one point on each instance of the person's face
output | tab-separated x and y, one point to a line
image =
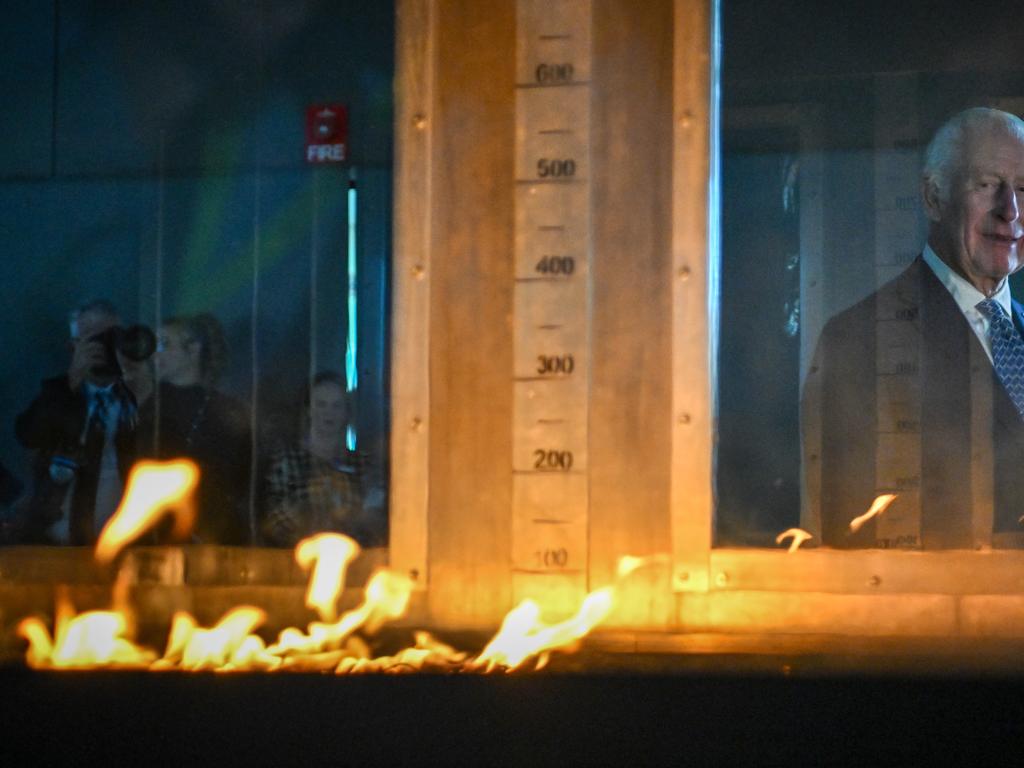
83	328
979	228
327	409
175	356
88	324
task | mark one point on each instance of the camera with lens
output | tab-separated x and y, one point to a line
136	343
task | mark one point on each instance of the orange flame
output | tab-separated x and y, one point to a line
226	646
878	506
104	638
629	563
523	634
90	639
332	554
386	597
799	536
153	488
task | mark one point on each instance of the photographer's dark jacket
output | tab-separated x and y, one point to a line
53	426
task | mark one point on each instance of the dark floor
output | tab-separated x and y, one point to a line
703	710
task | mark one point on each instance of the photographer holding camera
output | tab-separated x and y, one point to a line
82	427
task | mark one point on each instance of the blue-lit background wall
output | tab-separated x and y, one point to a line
152	153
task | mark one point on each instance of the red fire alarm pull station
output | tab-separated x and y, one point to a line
326	133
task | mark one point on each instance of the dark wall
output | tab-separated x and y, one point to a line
152	153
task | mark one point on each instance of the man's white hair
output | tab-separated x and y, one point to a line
944	154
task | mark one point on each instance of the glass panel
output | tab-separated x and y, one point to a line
192	167
825	123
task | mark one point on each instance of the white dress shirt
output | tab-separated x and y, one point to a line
967	297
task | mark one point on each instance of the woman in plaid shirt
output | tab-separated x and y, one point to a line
314	486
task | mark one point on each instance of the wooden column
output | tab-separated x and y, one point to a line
648	362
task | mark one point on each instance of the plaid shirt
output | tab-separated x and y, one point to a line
305	494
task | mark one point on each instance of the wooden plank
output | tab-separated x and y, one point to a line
869	571
818	613
992	615
693	277
415	113
630	389
193	565
825	652
471	344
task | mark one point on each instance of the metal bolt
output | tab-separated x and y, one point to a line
418	271
416	425
721	579
419	122
874	581
414	574
686	119
684	418
684	273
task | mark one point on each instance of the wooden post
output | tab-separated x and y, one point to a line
649	399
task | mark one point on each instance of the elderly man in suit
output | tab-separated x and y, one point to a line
918	390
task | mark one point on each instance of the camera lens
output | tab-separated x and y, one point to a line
137	342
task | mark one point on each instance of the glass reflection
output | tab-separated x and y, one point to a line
822	156
155	158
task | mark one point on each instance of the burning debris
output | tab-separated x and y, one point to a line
106	638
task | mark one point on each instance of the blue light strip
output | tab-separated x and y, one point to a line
351	369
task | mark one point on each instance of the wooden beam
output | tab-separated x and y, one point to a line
415	113
693	275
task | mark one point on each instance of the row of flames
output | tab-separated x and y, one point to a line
106	638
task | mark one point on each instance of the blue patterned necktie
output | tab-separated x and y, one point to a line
1007	351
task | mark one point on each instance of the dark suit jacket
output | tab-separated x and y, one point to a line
971	437
52	425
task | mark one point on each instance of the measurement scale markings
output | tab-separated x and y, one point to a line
541	86
549	472
552	148
563	182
